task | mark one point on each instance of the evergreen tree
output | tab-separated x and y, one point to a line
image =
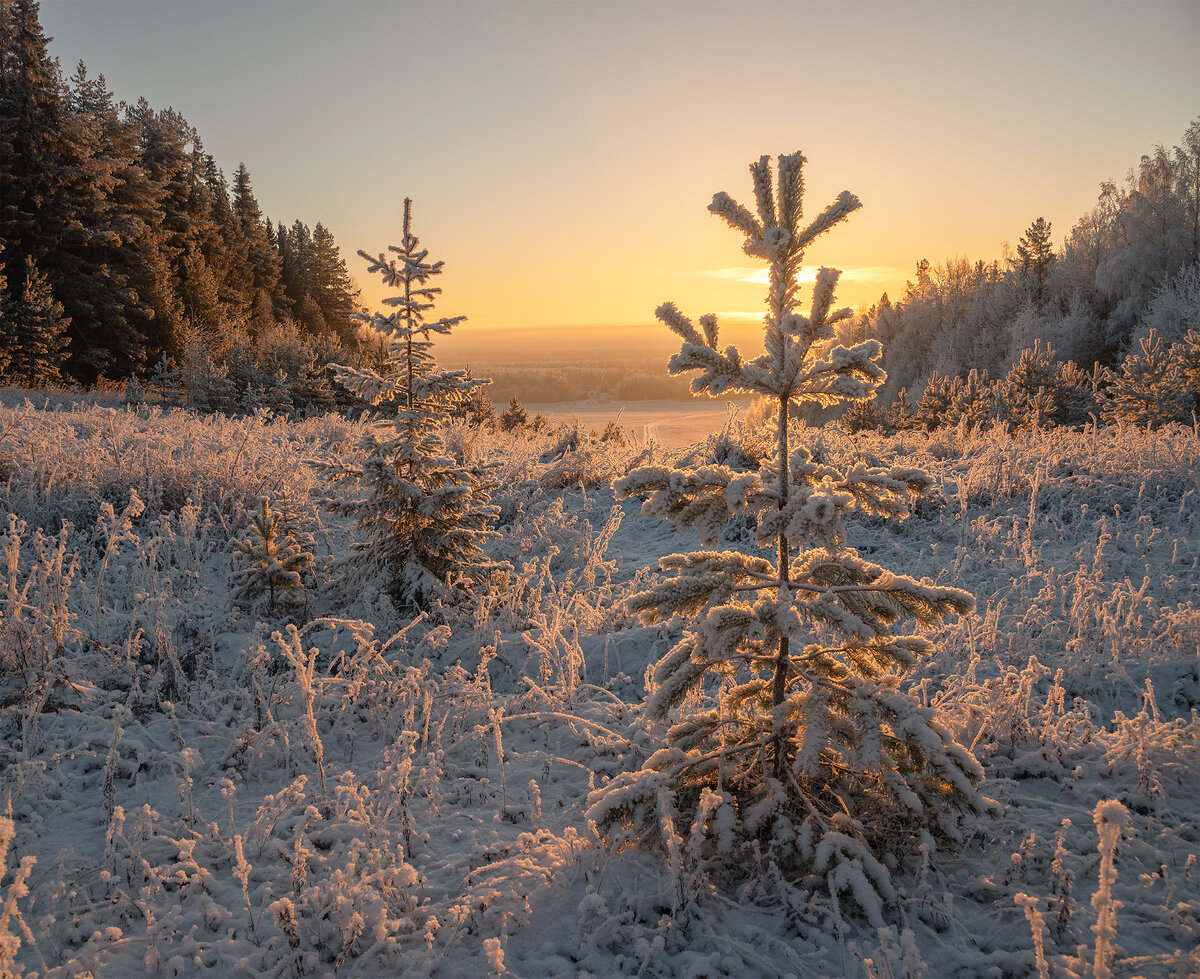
424	516
295	252
201	299
34	134
158	287
332	288
1029	389
4	356
901	414
104	268
934	405
261	256
514	416
33	341
1185	356
1035	254
273	560
1149	390
972	402
785	720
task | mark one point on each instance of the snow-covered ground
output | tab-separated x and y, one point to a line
196	789
669	424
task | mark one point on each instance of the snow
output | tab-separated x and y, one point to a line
164	751
668	424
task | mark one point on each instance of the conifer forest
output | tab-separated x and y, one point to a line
323	656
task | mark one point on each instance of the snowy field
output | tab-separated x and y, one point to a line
194	788
669	424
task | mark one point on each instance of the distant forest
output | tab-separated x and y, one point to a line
1127	267
119	233
125	252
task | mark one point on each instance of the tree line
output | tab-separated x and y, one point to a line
119	234
1129	266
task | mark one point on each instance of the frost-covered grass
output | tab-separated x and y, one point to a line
192	789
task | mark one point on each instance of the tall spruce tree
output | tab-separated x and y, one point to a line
103	267
4	355
423	515
34	131
261	255
332	288
780	715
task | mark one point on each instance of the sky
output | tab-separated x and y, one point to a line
561	155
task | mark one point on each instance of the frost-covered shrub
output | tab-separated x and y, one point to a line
35	599
1174	309
744	442
66	463
424	515
578	458
779	718
13	926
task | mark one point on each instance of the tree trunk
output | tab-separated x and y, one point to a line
781	664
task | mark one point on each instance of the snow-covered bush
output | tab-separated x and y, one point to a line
783	732
743	443
424	515
1174	309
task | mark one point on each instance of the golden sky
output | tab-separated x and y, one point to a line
561	156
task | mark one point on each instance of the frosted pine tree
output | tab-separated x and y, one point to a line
1149	389
780	714
271	561
423	515
1028	390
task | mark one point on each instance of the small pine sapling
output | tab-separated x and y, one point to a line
1075	394
934	407
901	416
135	394
425	516
1149	389
1028	390
1185	355
784	694
515	416
972	401
862	416
273	559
